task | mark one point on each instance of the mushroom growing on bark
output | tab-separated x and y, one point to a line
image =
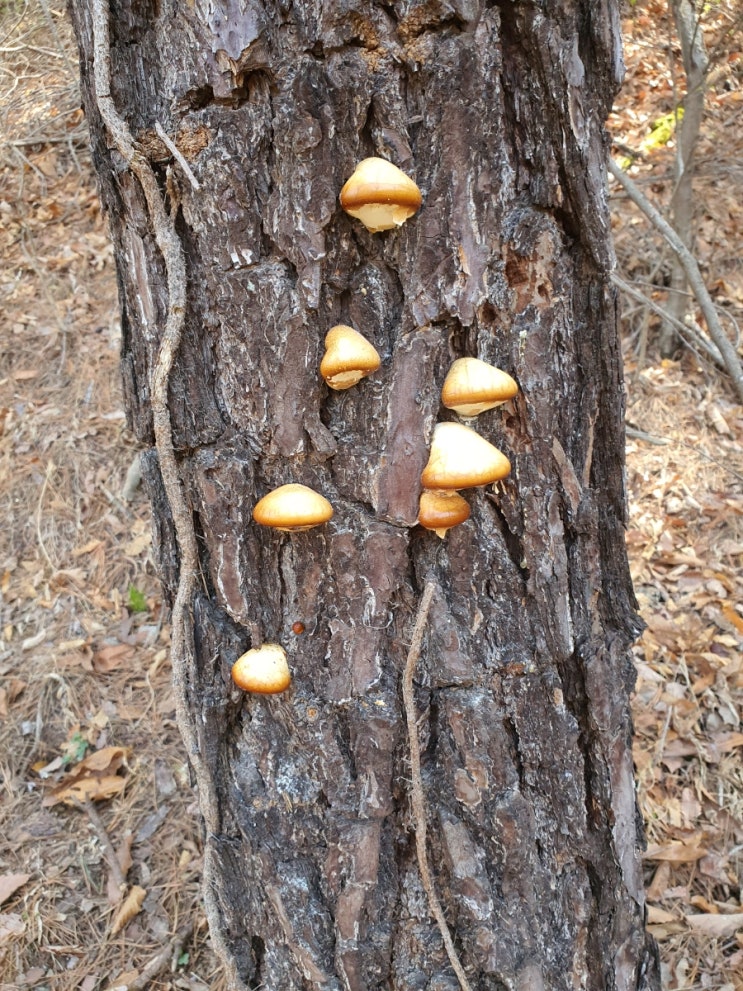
440	511
380	195
460	459
263	669
473	386
348	357
292	507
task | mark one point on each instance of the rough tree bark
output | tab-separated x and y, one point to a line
497	110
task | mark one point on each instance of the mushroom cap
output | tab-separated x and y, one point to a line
292	507
440	511
263	669
380	195
473	386
348	357
460	459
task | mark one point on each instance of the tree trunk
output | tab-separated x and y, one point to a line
496	110
694	54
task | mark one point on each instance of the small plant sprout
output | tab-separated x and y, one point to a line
348	357
292	508
473	386
380	195
263	670
440	511
460	459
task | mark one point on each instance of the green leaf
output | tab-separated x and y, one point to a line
75	749
662	130
183	959
137	601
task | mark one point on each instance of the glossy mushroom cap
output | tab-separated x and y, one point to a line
348	358
292	507
380	195
460	459
263	669
440	511
473	386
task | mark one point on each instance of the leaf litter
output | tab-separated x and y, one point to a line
84	671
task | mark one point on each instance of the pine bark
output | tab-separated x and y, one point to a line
497	111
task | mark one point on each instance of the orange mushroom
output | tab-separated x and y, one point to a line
263	670
440	511
292	507
348	357
473	386
380	195
460	459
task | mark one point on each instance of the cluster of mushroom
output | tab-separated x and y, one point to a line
460	458
382	197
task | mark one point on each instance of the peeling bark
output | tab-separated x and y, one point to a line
497	110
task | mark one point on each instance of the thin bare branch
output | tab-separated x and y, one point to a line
105	841
696	282
691	332
166	957
170	145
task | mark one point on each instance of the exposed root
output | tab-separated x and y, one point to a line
417	796
182	651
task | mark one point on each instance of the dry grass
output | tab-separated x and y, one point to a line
83	659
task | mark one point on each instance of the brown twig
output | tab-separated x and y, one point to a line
417	795
691	332
648	438
172	148
104	839
168	956
691	268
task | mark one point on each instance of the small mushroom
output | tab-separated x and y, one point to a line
348	357
440	511
263	669
460	459
380	195
292	508
473	386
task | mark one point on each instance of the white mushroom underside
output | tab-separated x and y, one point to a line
344	380
381	216
474	409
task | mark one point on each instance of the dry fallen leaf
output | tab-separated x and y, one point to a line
11	925
661	880
135	547
676	853
10	883
92	545
123	981
129	908
109	658
659	916
95	789
94	779
716	926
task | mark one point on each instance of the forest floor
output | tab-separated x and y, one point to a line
86	710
